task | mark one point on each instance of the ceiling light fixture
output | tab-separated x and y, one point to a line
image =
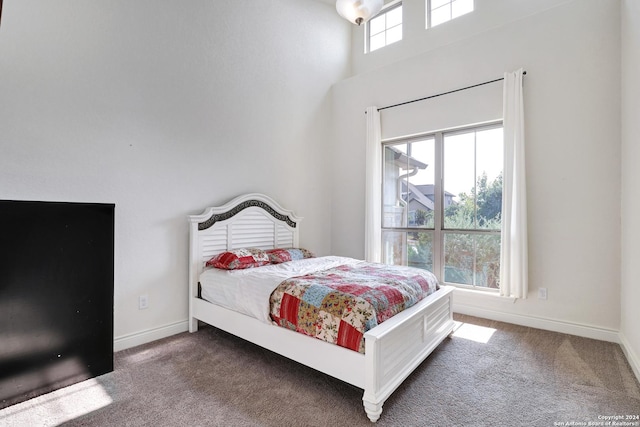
358	11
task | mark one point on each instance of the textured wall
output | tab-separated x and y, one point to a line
163	108
630	328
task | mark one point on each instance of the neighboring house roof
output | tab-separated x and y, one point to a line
424	195
415	193
429	190
402	160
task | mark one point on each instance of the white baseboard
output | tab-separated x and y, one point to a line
632	357
138	338
580	330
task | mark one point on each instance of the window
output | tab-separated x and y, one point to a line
442	202
385	28
440	11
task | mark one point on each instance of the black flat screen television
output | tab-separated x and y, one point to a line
56	295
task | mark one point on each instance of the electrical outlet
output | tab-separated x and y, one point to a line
143	302
542	293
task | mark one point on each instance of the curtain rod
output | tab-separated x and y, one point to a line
444	93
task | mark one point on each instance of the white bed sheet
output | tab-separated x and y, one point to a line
247	291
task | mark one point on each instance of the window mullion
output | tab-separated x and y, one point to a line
438	218
475	259
475	180
427	14
475	206
385	29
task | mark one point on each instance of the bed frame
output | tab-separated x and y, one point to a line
393	349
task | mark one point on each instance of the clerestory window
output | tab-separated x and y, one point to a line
385	28
440	11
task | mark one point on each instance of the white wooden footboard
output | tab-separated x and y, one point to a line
393	350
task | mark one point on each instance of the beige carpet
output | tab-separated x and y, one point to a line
487	374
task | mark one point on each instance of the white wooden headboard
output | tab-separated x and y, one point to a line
249	221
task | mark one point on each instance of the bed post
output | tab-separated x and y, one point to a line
395	348
194	257
370	398
372	409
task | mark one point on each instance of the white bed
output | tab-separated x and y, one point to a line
393	349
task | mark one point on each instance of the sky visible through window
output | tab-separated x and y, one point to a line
460	173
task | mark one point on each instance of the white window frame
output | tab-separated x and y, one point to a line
449	4
367	33
439	231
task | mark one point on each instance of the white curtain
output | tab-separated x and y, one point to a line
513	253
373	189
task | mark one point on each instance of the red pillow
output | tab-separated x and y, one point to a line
239	258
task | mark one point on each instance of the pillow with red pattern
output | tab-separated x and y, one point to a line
276	256
238	259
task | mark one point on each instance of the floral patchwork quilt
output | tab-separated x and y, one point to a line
340	304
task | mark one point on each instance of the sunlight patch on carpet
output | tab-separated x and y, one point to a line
476	333
59	406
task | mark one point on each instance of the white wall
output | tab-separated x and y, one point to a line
630	295
486	16
571	52
163	108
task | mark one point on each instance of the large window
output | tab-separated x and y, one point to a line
385	28
441	204
441	11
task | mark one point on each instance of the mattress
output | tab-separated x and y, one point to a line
248	291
